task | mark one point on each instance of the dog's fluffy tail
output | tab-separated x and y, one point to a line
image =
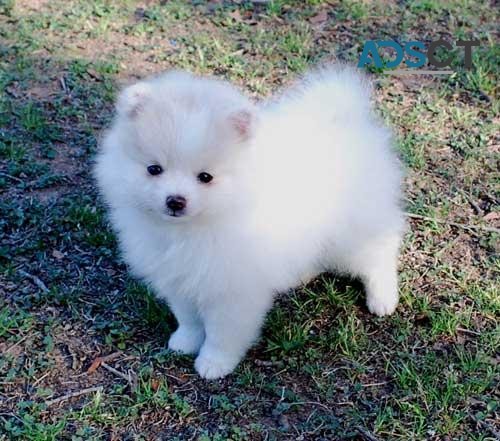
333	91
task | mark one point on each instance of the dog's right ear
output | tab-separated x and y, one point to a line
132	99
243	122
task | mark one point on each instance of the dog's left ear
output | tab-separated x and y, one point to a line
132	99
243	121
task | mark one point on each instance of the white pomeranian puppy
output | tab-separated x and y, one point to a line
220	204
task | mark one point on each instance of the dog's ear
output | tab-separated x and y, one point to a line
243	121
132	99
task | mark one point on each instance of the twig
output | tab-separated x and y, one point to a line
41	378
111	356
375	384
311	403
77	393
63	84
117	372
11	177
468	331
365	434
17	343
454	224
266	362
11	415
35	280
476	207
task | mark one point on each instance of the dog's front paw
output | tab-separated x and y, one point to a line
382	305
211	365
186	340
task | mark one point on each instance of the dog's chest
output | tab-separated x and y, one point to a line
188	265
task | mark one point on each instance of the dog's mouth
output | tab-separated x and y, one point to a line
175	213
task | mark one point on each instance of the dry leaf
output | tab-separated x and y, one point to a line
95	365
57	254
319	18
155	384
494	215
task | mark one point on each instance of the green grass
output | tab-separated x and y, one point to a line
324	368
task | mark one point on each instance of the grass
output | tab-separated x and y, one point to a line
324	368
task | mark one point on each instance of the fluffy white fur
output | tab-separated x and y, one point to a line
301	185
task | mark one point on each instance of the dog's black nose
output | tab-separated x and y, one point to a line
176	203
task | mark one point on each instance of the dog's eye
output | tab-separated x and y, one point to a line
154	170
205	177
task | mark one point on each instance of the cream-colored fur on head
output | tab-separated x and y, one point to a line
300	185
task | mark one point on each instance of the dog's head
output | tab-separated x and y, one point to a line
177	147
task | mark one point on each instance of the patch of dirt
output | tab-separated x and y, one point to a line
67	161
31	5
48	195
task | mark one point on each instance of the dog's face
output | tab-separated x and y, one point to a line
179	143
